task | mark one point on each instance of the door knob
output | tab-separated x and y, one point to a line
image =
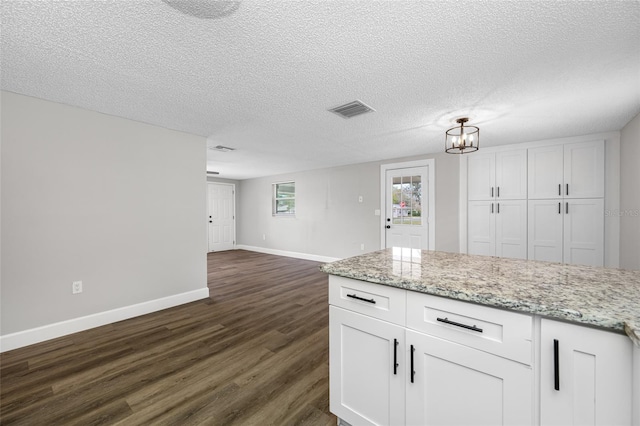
388	220
210	221
388	226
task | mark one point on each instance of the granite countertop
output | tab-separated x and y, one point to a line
601	297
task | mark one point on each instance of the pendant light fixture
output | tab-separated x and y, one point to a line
463	139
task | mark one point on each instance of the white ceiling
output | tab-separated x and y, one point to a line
261	79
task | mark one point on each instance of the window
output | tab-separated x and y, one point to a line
284	199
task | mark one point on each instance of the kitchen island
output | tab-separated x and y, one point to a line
521	341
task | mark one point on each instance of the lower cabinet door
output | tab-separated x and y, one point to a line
585	376
367	386
451	384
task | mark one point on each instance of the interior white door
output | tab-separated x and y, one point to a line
407	215
221	211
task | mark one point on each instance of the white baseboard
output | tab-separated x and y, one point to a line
297	255
59	329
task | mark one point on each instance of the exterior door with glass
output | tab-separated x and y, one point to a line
406	220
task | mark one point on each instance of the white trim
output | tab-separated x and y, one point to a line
294	254
51	331
430	163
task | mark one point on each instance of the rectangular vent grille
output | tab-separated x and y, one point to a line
213	173
351	109
221	148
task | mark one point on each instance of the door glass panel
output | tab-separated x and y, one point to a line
407	200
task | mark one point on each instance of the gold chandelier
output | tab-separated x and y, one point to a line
462	140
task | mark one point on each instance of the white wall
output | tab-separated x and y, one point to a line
115	203
329	219
630	195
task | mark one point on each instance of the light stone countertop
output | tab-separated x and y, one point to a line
601	297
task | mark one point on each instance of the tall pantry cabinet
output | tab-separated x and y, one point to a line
538	203
497	206
566	203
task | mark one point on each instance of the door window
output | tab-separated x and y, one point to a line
407	200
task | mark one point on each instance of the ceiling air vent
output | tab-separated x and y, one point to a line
351	109
221	148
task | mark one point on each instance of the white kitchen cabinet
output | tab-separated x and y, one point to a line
573	170
367	387
371	361
569	231
497	228
454	384
497	176
585	376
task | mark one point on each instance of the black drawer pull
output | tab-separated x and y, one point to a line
556	364
353	296
395	356
457	324
413	372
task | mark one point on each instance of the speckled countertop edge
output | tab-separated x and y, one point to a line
600	297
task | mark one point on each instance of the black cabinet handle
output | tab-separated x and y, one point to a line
498	211
457	324
498	192
491	207
559	189
556	364
567	189
395	356
353	296
492	192
413	373
567	208
559	208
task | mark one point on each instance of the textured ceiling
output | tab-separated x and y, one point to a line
261	78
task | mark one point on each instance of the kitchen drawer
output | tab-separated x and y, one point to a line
376	300
496	331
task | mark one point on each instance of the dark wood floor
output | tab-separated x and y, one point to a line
256	353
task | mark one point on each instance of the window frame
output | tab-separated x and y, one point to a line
275	199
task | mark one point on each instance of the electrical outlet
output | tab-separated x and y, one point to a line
264	237
362	246
76	287
360	198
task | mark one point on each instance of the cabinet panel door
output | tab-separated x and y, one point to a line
481	228
511	175
545	230
457	385
365	387
594	372
481	177
584	232
545	172
584	170
511	228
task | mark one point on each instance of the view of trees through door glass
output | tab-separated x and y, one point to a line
407	200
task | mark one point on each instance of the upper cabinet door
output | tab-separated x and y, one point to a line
546	172
511	175
584	170
481	176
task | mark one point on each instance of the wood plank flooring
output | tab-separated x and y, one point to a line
255	353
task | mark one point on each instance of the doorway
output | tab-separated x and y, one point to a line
408	205
221	216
